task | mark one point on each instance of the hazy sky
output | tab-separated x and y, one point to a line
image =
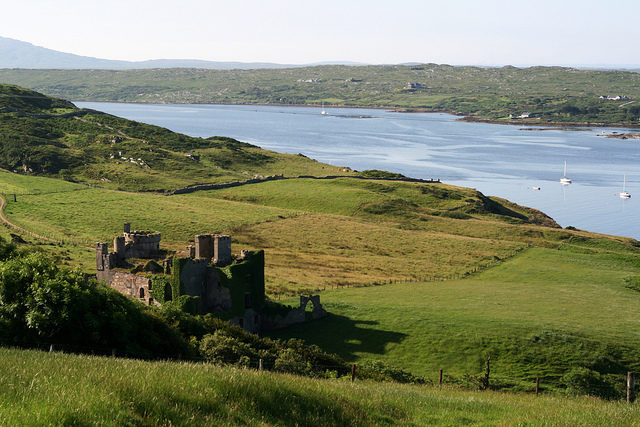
490	32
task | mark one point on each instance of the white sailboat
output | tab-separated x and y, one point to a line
323	112
564	180
625	194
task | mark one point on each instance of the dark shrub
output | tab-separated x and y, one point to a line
584	381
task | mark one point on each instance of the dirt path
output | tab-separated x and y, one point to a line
5	220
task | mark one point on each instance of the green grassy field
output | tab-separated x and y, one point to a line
550	94
317	233
536	315
439	277
538	299
59	389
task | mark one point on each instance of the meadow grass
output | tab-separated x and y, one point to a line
13	183
563	302
316	251
537	314
345	196
39	388
316	233
97	214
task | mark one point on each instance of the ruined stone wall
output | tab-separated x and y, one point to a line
222	250
193	274
297	315
242	278
250	321
102	252
201	280
119	245
137	287
235	289
139	245
204	246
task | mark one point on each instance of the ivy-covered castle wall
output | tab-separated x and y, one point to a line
208	281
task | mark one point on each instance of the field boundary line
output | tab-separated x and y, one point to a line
205	187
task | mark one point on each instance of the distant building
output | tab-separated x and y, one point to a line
525	116
414	85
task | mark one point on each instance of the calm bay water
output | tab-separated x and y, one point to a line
499	160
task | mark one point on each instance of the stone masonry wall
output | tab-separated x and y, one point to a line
201	280
221	250
141	245
204	246
132	285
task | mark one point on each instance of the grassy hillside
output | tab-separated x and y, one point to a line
46	136
487	278
540	314
447	276
43	388
316	233
551	94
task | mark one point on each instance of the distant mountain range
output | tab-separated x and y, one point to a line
19	54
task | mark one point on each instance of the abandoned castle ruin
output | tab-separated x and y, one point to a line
206	278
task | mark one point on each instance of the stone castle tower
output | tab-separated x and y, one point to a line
214	247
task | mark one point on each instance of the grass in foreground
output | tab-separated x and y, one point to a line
60	389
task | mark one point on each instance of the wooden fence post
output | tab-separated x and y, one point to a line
353	372
440	377
631	385
537	385
486	374
51	348
260	365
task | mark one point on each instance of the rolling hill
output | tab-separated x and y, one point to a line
52	137
547	94
420	275
20	54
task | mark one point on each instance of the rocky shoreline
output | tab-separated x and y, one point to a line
623	135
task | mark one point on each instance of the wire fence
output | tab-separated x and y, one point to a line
612	386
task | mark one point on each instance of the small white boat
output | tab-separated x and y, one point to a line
535	188
323	112
625	194
564	180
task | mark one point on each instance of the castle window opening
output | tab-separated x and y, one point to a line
247	300
141	292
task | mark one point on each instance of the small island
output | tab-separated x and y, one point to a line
635	135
